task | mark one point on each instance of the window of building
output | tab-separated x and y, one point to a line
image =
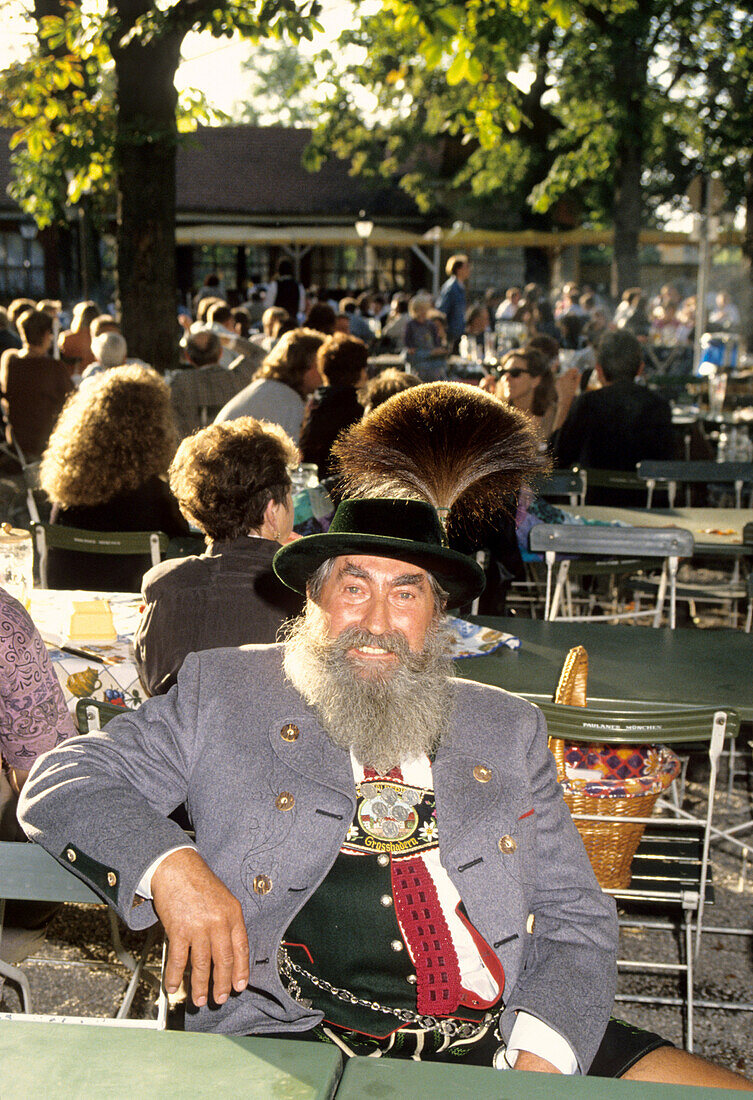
21	266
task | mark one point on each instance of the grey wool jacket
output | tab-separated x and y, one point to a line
233	734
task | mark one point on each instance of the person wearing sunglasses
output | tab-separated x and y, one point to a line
527	383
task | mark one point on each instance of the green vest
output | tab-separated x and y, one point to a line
347	933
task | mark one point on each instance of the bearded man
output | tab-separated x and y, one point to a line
383	858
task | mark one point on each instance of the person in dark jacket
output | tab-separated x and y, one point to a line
342	363
619	425
104	470
286	291
231	481
34	386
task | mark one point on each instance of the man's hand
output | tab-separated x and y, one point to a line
532	1062
201	917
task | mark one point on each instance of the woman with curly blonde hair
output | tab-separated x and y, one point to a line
104	470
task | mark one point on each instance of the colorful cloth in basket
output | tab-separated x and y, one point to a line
632	769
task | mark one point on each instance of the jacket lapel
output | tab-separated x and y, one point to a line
298	740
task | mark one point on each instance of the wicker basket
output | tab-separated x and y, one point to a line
610	845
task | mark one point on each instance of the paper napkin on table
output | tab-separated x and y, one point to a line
474	640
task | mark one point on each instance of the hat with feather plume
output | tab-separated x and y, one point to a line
437	453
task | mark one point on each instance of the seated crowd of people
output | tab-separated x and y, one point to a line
106	426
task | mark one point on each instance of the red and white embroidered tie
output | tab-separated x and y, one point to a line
422	921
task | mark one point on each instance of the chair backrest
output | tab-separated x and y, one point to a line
563	483
608	541
94	714
670	725
610	479
736	474
29	873
48	535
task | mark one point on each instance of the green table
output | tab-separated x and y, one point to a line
634	664
95	1062
390	1079
699	521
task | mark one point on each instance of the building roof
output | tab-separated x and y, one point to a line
257	171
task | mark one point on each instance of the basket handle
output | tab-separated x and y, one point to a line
571	690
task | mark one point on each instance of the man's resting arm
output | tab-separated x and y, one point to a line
99	803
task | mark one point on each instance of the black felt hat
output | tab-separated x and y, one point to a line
406	530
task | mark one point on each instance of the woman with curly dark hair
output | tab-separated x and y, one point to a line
104	470
232	481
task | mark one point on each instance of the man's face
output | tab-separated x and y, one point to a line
312	379
381	596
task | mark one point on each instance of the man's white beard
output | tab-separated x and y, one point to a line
386	716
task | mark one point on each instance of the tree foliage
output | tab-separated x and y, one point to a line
402	108
282	86
61	100
95	103
610	125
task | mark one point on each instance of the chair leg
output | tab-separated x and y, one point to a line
732	768
130	993
558	590
690	982
123	956
16	975
661	595
549	567
715	751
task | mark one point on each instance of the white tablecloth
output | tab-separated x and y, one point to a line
81	677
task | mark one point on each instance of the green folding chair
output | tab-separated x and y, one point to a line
29	873
668	475
617	549
48	535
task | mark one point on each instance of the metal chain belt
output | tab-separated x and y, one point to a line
453	1029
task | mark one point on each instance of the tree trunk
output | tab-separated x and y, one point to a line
746	305
145	157
630	74
628	213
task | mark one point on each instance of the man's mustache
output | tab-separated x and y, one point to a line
355	637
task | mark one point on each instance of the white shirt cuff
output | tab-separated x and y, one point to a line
144	888
531	1034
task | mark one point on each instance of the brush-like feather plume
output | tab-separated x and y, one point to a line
451	444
